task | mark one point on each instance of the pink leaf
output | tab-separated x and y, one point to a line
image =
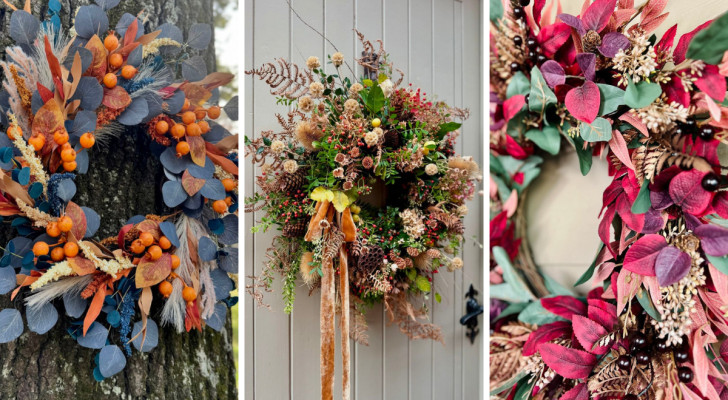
652	9
564	306
567	362
597	15
587	63
627	284
712	83
619	148
578	392
511	204
641	257
713	239
636	122
583	102
636	222
603	312
573	22
687	192
552	37
653	23
668	39
724	350
720	281
553	73
675	91
514	149
605	226
589	333
720	204
701	361
671	265
512	106
544	334
537	9
682	45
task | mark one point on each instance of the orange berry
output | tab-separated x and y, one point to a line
200	114
229	201
128	72
186	105
189	294
87	140
161	127
52	229
70	249
110	80
111	42
14	131
219	206
137	247
115	60
188	117
178	131
164	243
70	166
204	126
193	129
146	238
165	288
65	223
155	252
229	184
37	141
68	155
175	261
66	145
61	137
182	148
40	249
213	112
57	254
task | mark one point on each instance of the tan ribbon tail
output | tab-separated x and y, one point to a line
328	330
344	292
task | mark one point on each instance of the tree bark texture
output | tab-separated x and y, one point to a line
124	179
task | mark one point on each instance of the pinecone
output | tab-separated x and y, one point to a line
296	229
391	139
291	183
371	259
591	41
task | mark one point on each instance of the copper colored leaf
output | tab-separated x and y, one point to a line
150	273
197	149
48	119
116	98
151	227
81	266
191	184
98	65
131	32
78	217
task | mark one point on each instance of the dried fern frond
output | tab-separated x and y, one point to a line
403	313
358	326
506	347
285	79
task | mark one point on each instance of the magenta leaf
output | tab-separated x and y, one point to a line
552	37
603	312
578	392
545	333
668	39
597	15
573	22
612	43
654	221
636	222
712	83
564	306
671	265
589	333
587	63
660	200
720	204
641	256
567	362
538	6
583	102
687	191
682	45
675	91
724	351
512	106
514	149
713	239
605	226
553	73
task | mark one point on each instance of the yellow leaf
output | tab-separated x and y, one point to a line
341	201
321	194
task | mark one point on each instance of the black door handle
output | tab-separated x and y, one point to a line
470	319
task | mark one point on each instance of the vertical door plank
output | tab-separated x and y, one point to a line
271	328
305	333
473	134
443	313
248	179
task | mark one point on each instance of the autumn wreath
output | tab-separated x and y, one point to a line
64	92
656	109
364	184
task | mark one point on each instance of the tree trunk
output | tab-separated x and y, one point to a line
124	179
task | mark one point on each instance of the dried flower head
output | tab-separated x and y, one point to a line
305	104
412	221
290	166
638	61
464	164
316	89
337	59
347	185
387	87
378	131
367	162
338	173
313	62
455	264
355	88
351	106
371	138
354	152
431	169
307	133
277	147
340	158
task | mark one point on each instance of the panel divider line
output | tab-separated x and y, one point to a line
252	124
432	296
462	101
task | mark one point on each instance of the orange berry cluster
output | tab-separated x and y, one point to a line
188	293
221	206
147	245
116	63
59	253
60	138
192	124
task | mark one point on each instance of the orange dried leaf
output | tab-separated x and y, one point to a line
197	149
95	308
191	184
98	65
81	266
78	217
116	98
151	227
150	273
48	119
131	32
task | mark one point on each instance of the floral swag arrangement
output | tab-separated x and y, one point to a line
656	109
63	91
344	147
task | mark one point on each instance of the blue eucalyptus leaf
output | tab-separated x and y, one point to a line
204	172
91	93
217	319
152	337
199	36
216	226
230	236
135	220
11	325
113	318
213	190
170	231
111	361
174	164
173	194
35	190
172	32
223	284
23	27
206	249
93	221
74	304
95	337
135	113
66	189
82	160
24	176
174	103
41	319
7	280
125	21
194	202
91	20
228	260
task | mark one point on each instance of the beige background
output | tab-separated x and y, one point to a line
562	205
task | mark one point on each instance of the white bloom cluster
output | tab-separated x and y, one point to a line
637	62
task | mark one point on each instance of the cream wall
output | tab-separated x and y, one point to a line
562	205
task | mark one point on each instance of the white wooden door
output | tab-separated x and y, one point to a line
437	44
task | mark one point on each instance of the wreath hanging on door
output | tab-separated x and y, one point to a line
62	93
656	109
344	146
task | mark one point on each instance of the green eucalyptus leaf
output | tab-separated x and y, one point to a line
711	43
541	95
642	203
548	139
611	98
642	94
496	10
510	276
519	85
512	309
646	303
537	315
600	130
590	271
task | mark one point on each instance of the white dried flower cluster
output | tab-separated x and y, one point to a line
337	59
637	62
305	104
34	163
153	47
462	210
412	222
455	264
316	89
355	88
660	116
110	267
54	273
313	62
387	87
378	131
371	138
290	166
351	106
431	169
39	218
277	146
